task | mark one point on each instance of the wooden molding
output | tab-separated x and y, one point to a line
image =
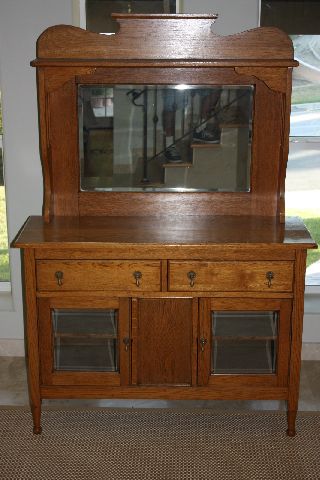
168	38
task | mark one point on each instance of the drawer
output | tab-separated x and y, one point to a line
231	276
91	275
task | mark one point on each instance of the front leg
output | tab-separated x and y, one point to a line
36	416
291	417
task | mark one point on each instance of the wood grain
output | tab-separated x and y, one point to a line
225	392
296	341
164	341
32	338
98	275
65	171
167	38
162	233
231	276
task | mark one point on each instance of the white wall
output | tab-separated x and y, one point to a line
21	22
234	16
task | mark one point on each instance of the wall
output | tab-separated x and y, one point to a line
234	16
21	22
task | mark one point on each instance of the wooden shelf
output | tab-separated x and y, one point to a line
177	164
85	335
239	338
206	145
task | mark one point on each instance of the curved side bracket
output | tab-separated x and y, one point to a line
274	78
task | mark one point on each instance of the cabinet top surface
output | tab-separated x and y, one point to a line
95	232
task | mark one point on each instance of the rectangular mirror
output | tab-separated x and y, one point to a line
165	137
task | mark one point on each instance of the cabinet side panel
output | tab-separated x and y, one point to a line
164	341
266	150
63	147
32	340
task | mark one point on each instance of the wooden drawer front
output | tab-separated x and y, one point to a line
98	275
231	276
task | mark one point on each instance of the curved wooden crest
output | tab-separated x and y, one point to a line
166	37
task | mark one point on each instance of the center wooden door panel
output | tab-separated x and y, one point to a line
164	341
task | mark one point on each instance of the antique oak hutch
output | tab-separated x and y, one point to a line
163	266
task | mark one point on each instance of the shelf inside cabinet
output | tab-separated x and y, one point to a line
245	357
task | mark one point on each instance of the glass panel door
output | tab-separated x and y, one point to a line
244	342
85	340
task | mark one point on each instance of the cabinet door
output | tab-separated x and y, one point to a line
84	342
244	341
164	341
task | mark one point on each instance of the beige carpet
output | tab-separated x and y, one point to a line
158	444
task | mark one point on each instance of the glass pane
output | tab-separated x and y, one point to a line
244	342
292	16
303	197
300	20
4	252
305	111
85	340
165	138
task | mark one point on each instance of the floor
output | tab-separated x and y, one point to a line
13	392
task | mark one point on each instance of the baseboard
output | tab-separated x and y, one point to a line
310	351
11	347
15	348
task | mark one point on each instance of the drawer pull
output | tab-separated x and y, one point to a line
191	276
270	277
59	277
137	276
203	342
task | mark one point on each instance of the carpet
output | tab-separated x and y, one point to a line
158	443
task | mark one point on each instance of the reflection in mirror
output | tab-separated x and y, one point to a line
165	138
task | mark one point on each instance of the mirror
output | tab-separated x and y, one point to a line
165	137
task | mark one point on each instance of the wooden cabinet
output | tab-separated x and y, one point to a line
158	270
233	330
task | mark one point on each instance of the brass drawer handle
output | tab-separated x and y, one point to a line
137	276
203	342
191	276
270	277
59	277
